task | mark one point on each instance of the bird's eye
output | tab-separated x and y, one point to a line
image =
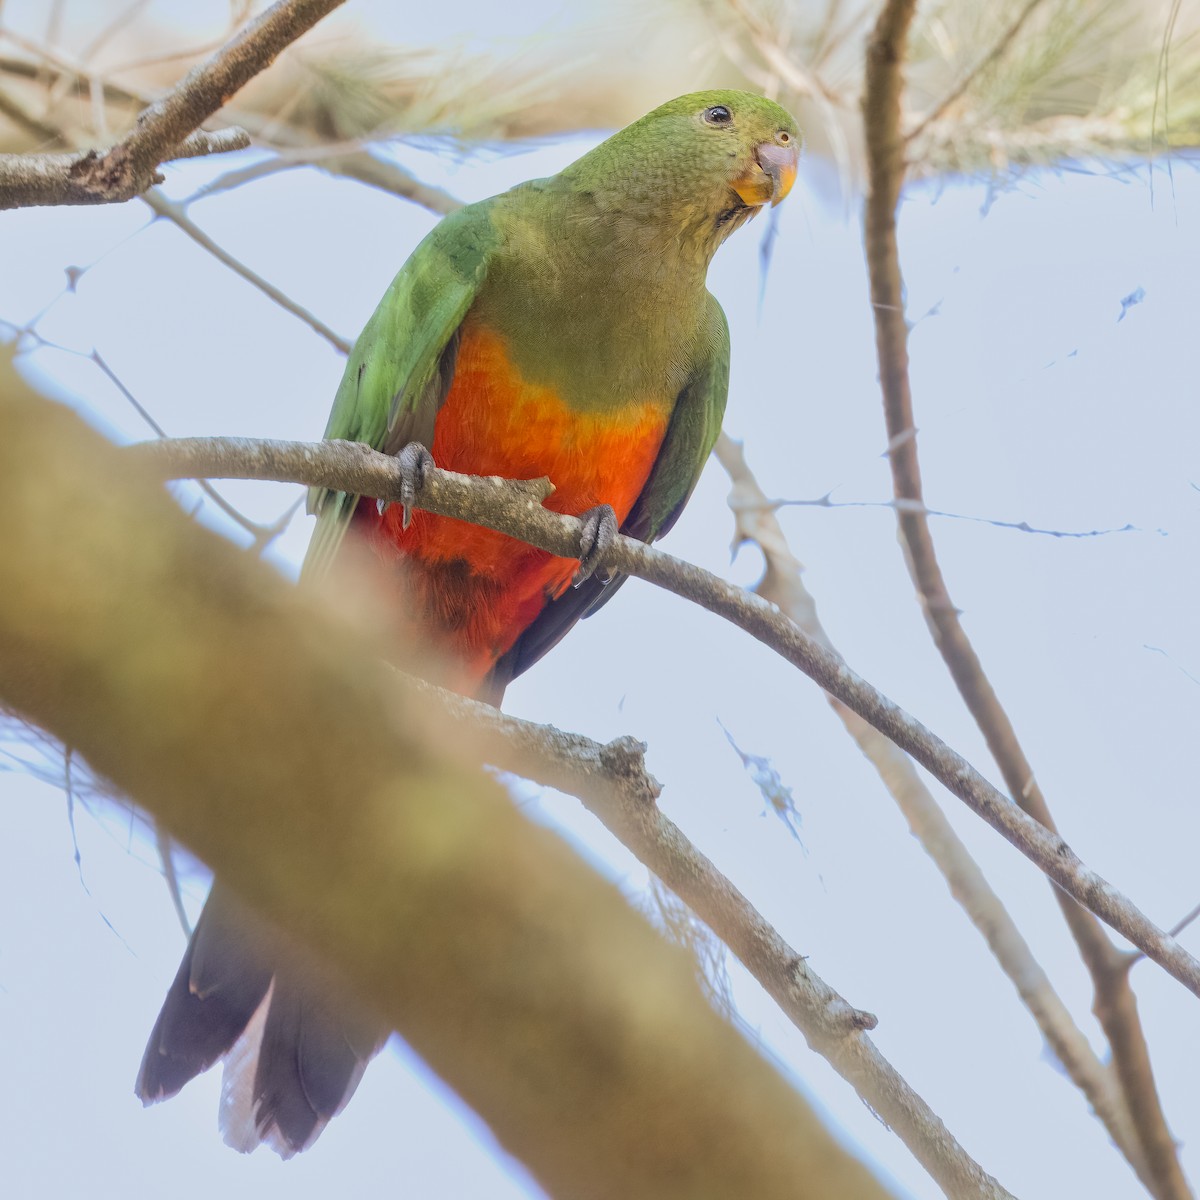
718	115
783	138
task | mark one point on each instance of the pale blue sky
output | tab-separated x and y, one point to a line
1034	402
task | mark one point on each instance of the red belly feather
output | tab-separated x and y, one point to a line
477	590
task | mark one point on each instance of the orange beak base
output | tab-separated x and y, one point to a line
770	177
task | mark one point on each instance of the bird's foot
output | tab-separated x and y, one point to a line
414	461
600	530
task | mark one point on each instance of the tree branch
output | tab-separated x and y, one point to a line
177	215
514	508
351	161
1115	1005
612	781
168	128
165	655
783	585
28	180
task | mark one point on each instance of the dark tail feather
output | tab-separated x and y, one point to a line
223	978
295	1040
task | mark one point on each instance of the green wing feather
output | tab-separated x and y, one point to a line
400	369
691	434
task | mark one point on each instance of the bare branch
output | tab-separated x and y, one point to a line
351	162
827	501
164	128
1174	931
1185	921
783	585
387	177
612	782
177	215
1115	1005
263	535
220	141
514	508
166	855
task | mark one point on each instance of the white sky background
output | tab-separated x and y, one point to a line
1034	403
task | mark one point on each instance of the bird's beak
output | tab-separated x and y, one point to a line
770	177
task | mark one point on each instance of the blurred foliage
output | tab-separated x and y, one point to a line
991	87
1080	79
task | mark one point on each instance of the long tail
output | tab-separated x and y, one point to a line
294	1038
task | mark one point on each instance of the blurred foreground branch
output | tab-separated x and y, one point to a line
169	128
515	507
1115	1005
229	702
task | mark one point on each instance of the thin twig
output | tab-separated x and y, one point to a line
388	177
1174	931
1115	1005
515	508
166	855
263	535
177	215
827	501
1185	921
202	143
208	87
351	162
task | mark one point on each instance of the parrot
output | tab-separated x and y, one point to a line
561	329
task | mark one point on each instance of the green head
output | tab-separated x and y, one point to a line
705	162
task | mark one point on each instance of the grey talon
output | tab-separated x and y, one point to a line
595	540
415	462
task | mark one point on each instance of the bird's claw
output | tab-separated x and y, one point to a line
599	532
414	461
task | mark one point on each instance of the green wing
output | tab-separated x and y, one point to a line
400	369
692	434
693	430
